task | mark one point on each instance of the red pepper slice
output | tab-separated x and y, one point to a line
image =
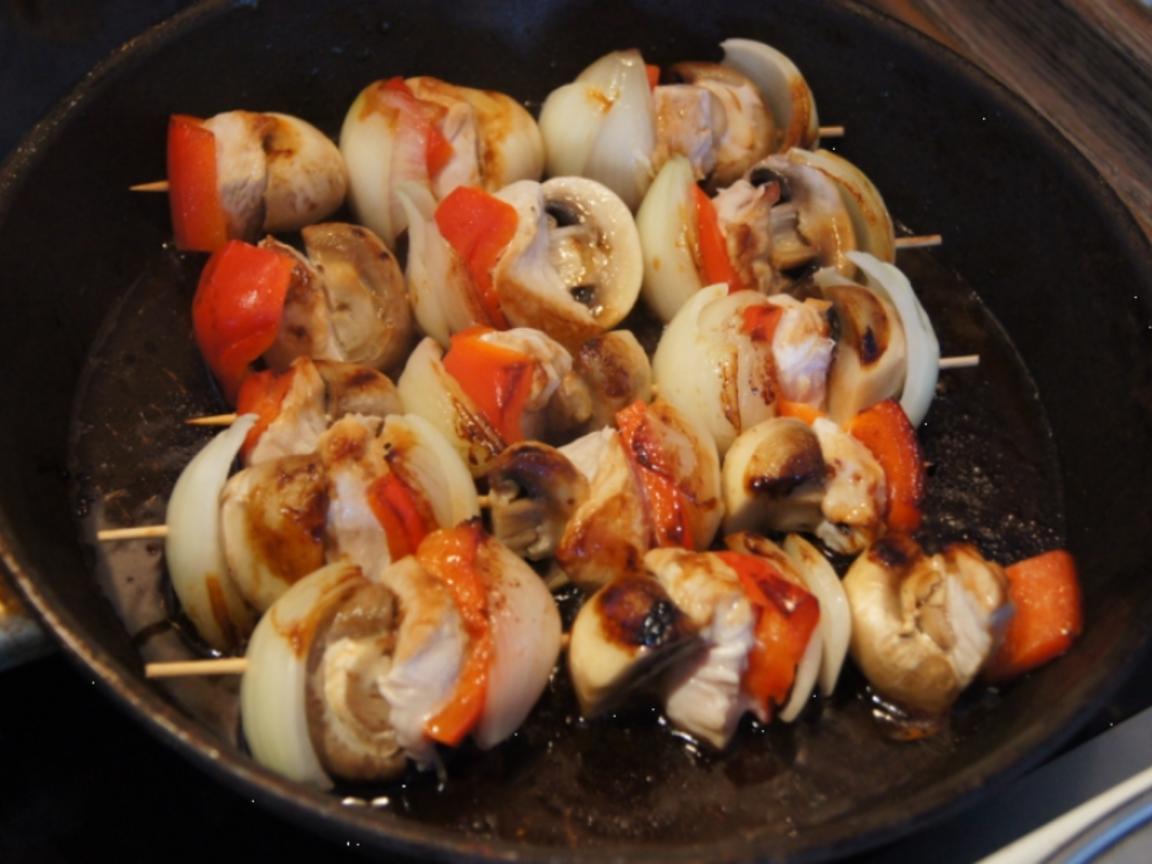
262	394
199	222
237	309
787	617
653	73
479	226
886	431
497	379
450	555
1045	590
666	502
402	513
438	150
715	265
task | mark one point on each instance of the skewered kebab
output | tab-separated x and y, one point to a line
617	124
347	676
424	137
368	493
240	174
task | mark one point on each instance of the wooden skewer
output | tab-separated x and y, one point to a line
184	668
923	241
831	131
219	666
140	532
154	186
212	420
963	361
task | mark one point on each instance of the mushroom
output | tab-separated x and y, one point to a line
367	300
276	172
272	519
533	491
346	301
774	477
923	625
309	701
870	363
624	637
616	372
573	268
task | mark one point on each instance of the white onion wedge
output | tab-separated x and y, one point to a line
430	463
526	642
666	222
923	349
194	548
870	219
782	87
602	126
428	390
835	616
807	671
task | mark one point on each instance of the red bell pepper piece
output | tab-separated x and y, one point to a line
479	226
787	617
666	503
199	222
497	379
715	264
262	394
886	431
1045	590
237	309
424	116
450	555
405	517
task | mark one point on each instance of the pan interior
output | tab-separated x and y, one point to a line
562	780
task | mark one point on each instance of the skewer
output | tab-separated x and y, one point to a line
219	666
922	241
831	131
184	668
154	186
963	361
140	532
212	420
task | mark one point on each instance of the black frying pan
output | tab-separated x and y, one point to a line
1029	227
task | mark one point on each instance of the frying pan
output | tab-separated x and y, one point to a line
1030	228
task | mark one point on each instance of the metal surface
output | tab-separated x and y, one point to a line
951	152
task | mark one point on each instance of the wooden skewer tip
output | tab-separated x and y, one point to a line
963	361
831	131
924	241
140	532
154	186
187	668
212	420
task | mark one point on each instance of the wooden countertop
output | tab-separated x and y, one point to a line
1085	65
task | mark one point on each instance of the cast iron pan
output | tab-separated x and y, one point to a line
1045	444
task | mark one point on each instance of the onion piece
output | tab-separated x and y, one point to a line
433	466
870	218
923	349
602	126
666	222
194	548
835	616
782	87
526	642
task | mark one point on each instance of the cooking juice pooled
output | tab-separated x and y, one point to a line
562	779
